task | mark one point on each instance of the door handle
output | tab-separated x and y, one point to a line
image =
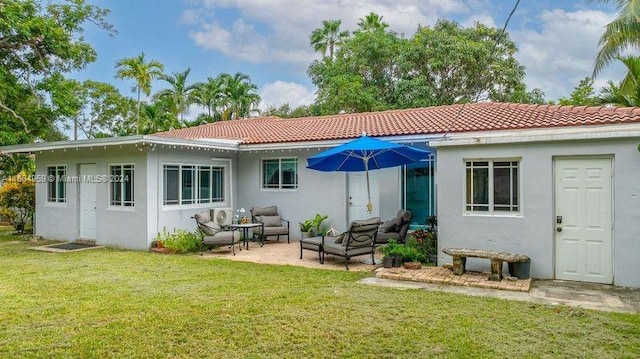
559	229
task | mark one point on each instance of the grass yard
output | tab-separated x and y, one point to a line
114	303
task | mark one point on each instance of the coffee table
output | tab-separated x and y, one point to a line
244	227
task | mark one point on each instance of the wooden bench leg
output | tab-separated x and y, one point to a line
459	264
496	270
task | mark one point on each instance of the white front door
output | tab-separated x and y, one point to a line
358	199
584	219
87	201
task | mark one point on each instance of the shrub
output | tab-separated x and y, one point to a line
180	240
18	199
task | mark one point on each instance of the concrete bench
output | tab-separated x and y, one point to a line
460	259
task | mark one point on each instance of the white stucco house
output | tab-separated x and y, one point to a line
559	184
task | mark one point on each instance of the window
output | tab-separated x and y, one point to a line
419	189
492	186
56	184
280	173
121	180
192	184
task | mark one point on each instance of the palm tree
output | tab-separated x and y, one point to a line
142	72
623	32
372	23
327	37
156	117
240	95
210	95
178	95
627	93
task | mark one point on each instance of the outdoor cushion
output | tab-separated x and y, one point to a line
271	221
402	218
271	231
222	238
203	217
312	243
335	248
388	226
210	228
266	211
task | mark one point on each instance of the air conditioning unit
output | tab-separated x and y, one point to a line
222	216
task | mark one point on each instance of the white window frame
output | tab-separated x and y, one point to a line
129	205
57	179
279	184
197	202
491	211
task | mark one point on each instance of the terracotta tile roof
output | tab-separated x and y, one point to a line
431	120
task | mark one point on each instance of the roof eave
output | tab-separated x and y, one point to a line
631	130
142	140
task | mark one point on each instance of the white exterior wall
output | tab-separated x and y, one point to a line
318	192
532	233
171	217
117	227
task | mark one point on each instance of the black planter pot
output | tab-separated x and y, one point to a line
387	262
397	260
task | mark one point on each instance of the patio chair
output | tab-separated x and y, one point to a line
395	228
272	223
213	235
359	240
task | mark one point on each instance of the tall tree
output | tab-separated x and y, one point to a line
179	94
142	73
445	64
241	96
621	33
39	40
582	95
627	93
372	22
211	96
328	37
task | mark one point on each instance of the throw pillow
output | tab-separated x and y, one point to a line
271	221
210	228
203	217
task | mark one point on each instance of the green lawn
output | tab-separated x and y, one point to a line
114	303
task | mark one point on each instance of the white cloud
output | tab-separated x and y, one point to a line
561	52
556	46
280	92
284	27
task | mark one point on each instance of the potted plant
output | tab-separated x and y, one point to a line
306	227
392	252
317	222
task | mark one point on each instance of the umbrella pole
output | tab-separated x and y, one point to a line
366	171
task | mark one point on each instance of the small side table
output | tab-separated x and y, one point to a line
244	227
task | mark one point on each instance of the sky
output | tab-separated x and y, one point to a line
269	39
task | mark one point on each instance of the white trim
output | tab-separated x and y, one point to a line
279	189
538	135
216	162
491	212
140	142
121	207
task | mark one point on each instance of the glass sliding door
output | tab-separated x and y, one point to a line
419	189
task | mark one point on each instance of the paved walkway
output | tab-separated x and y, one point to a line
584	295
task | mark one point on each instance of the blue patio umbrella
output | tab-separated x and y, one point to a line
363	154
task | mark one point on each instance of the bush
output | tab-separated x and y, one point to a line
180	240
18	200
